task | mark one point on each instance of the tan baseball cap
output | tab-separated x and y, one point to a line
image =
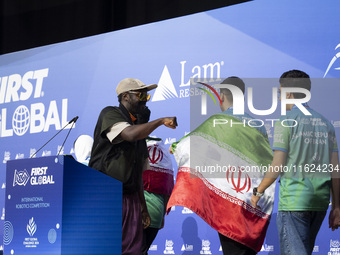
130	84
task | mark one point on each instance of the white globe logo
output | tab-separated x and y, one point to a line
21	120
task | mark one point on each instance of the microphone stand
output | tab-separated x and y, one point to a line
66	137
73	120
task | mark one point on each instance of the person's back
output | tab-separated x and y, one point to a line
246	118
305	151
306	181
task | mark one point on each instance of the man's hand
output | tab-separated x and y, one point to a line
146	220
170	122
334	219
254	200
170	150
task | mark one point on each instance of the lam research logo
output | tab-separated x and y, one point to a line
153	247
166	88
187	211
187	247
20	178
31	227
20	156
267	248
46	153
170	140
337	55
336	123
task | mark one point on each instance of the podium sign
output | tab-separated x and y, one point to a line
55	205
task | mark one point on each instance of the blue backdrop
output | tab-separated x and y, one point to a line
43	88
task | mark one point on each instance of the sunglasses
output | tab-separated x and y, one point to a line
142	96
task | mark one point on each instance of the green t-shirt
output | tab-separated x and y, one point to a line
309	141
155	205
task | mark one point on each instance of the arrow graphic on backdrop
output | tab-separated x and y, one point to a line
332	61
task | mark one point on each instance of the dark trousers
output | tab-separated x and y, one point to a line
231	247
132	229
149	234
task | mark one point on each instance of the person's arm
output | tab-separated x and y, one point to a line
334	215
137	132
270	177
145	214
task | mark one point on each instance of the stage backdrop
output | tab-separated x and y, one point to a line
42	89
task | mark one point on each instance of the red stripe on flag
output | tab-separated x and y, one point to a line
228	215
158	181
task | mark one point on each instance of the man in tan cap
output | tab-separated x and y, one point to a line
120	150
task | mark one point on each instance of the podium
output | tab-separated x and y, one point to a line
55	205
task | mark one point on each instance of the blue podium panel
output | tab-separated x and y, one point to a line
55	205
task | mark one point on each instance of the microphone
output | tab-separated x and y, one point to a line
71	121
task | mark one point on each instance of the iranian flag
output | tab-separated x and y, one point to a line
220	163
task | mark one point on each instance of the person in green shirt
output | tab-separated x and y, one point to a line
306	159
